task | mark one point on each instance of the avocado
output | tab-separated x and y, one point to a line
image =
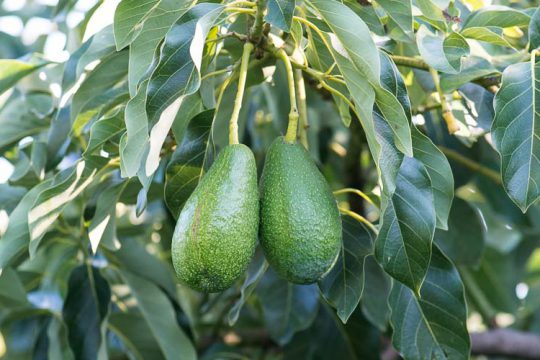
216	233
300	222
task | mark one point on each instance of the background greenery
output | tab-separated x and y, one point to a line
106	128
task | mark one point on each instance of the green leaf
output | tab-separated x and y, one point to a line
464	241
401	12
492	35
432	326
187	164
17	121
177	73
17	236
534	30
353	34
85	311
443	54
10	196
104	130
135	334
287	308
157	24
516	134
473	68
103	78
11	71
376	291
129	18
159	313
102	228
342	287
280	13
496	15
50	202
368	14
12	293
431	10
403	246
440	175
255	272
58	340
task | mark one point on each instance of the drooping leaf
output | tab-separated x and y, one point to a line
135	334
496	15
376	291
255	272
177	73
280	13
57	334
516	133
401	12
102	228
353	34
403	246
17	236
159	314
187	164
287	308
154	28
11	71
442	53
129	18
434	325
85	310
440	175
464	241
50	202
343	285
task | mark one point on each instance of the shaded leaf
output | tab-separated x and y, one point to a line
12	292
280	13
463	243
104	130
287	308
401	12
516	134
85	310
160	316
403	246
10	196
473	68
58	340
434	325
376	291
187	164
534	30
343	285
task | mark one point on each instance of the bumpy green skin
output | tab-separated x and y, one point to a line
300	221
216	233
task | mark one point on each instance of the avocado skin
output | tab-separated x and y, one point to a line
216	233
300	222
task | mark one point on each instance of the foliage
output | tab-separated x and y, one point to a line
423	115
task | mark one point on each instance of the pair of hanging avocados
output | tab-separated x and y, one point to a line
300	225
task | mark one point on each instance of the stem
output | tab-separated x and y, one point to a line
457	157
216	73
357	192
359	218
257	29
233	125
451	122
292	128
302	107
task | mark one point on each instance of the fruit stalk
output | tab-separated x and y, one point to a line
292	128
302	106
448	117
233	125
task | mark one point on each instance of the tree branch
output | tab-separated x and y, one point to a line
489	83
506	342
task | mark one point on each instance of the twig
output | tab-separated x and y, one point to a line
473	165
506	343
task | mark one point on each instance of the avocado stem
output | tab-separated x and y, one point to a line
292	128
302	107
233	124
451	122
359	218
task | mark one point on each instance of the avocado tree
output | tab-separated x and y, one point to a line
269	179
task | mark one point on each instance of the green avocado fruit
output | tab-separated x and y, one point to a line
300	222
216	233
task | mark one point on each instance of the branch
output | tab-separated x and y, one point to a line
489	83
506	342
473	165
